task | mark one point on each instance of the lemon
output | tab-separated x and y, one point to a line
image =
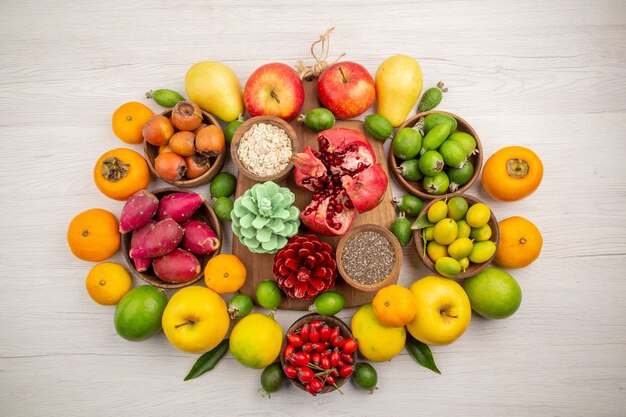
256	340
435	251
446	231
377	343
478	215
460	248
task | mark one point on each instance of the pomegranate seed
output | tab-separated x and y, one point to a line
294	340
306	375
291	371
345	371
349	345
349	204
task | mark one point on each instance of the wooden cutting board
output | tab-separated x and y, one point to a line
259	266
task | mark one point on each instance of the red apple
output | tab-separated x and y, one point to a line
346	89
274	90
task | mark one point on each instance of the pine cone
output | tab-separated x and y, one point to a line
305	267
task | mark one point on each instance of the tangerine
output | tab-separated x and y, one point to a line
128	121
520	243
93	235
394	306
225	273
107	283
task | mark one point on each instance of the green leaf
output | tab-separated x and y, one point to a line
421	353
422	222
208	361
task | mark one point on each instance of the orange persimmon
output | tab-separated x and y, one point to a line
120	173
512	173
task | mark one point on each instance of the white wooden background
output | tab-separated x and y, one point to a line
550	75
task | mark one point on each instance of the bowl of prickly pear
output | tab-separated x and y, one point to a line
319	353
262	147
456	236
435	154
181	234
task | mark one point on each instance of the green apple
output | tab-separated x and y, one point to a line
493	293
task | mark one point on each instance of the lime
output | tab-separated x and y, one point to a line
230	130
438	211
435	251
481	233
448	267
328	303
457	208
478	215
268	295
410	171
272	378
446	231
407	143
482	251
239	306
460	248
379	127
223	185
138	314
464	229
223	206
409	204
365	376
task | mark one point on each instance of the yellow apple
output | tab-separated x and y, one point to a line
195	319
443	310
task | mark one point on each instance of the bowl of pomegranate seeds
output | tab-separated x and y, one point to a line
319	354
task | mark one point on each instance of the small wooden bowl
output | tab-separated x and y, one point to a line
473	268
415	187
217	163
247	125
204	213
333	322
391	279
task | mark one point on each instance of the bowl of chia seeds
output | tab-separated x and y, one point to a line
369	257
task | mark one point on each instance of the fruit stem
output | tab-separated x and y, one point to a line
343	76
149	94
185	323
517	168
275	97
301	118
113	169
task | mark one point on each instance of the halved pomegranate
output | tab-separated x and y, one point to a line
344	177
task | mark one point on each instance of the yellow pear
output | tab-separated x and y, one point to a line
215	88
399	83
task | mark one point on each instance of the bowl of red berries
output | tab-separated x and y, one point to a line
319	353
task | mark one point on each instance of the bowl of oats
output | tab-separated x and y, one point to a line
262	146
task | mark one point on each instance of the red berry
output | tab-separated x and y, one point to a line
304	333
334	333
307	347
347	358
325	363
325	333
320	347
316	324
300	359
335	358
316	385
330	380
291	371
314	336
306	375
334	373
338	341
294	340
316	358
349	346
345	371
289	350
308	389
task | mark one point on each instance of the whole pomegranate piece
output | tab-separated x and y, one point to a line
344	178
305	267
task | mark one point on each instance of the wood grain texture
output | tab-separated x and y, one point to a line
547	75
260	265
